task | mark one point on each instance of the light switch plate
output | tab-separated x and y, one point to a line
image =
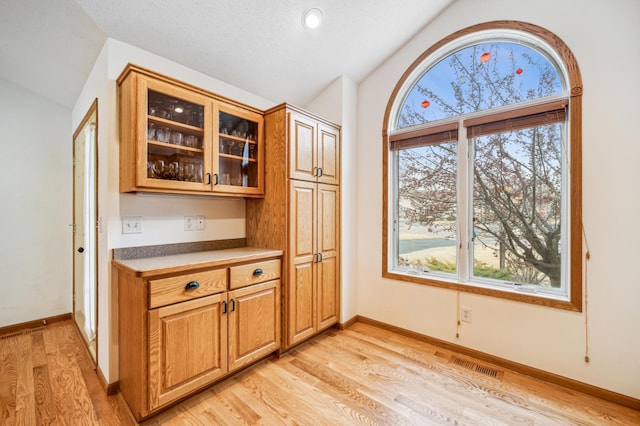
132	224
189	223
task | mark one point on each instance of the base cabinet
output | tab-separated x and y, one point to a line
187	348
253	323
169	352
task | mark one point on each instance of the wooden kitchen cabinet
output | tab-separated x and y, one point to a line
313	252
314	149
254	323
187	347
300	214
176	138
182	327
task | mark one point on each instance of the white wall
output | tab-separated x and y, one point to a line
337	103
604	38
36	191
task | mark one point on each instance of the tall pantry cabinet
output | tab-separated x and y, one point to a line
300	214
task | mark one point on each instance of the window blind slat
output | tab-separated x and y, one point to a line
537	115
428	136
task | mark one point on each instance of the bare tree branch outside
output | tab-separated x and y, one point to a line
517	174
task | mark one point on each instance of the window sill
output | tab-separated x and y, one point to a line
506	294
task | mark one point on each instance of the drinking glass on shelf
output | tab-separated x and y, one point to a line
151	131
158	169
176	138
189	172
191	141
163	134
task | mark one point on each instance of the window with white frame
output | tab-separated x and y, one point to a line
479	162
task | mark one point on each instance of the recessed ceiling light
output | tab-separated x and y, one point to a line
313	18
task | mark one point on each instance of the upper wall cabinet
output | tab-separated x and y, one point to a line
314	151
176	138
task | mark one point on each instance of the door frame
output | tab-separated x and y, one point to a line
93	109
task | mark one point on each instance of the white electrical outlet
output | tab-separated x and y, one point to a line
199	223
466	314
189	223
131	224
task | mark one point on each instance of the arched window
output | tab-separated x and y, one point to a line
482	167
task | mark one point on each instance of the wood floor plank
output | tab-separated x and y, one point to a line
8	379
363	375
25	395
44	405
39	354
73	402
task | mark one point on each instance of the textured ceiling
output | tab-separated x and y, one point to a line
259	46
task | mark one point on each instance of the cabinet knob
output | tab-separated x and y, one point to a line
257	272
192	285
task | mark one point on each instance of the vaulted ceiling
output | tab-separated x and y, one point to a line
49	46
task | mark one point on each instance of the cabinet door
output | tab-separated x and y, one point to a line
328	154
301	291
173	137
254	323
328	292
239	151
187	347
302	147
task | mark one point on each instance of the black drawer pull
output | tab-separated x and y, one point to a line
257	272
192	285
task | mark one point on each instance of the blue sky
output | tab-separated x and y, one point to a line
506	59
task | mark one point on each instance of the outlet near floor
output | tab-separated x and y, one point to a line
465	314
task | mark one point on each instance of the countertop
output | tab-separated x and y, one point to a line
177	263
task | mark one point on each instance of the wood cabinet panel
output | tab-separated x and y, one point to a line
187	348
254	273
328	296
301	307
254	323
303	218
328	220
328	154
302	153
179	288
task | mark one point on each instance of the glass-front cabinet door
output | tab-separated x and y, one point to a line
176	138
238	154
177	130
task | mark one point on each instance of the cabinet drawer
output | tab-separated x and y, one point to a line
170	290
253	273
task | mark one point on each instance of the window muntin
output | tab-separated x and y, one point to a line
554	85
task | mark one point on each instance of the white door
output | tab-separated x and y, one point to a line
85	230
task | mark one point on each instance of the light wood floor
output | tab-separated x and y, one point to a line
363	375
